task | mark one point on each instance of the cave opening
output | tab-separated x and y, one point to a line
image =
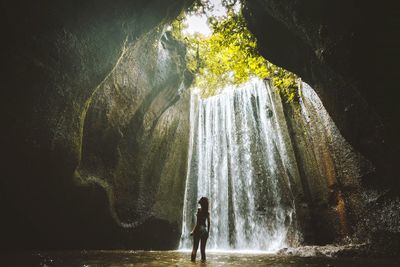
237	156
118	117
244	152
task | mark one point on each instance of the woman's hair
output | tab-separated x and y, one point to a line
204	204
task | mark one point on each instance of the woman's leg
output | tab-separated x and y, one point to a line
203	248
196	240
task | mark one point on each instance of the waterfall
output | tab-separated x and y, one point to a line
240	157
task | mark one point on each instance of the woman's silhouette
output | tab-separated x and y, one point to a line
200	232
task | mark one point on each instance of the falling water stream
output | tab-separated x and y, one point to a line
240	157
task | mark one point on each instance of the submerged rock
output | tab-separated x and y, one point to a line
325	251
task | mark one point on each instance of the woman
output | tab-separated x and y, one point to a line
200	232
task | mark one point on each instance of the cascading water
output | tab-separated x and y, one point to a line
240	157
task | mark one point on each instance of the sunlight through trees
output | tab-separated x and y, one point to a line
229	55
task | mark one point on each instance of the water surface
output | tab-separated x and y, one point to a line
113	258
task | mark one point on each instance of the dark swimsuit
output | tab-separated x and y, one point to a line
201	222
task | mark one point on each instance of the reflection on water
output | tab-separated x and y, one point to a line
114	258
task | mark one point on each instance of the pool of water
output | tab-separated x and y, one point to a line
176	258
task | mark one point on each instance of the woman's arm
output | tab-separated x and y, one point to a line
194	230
208	223
196	226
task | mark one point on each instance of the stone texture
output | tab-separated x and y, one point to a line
339	50
136	133
94	116
345	50
330	171
58	58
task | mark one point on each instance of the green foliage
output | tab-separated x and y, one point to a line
203	6
230	56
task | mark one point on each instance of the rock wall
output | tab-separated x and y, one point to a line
62	185
339	50
347	57
330	169
135	138
95	117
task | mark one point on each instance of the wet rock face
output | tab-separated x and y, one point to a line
62	185
330	169
136	131
339	50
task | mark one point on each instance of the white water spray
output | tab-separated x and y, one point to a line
240	157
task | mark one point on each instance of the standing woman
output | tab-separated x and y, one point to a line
200	232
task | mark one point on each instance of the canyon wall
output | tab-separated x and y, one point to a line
345	50
92	90
95	120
